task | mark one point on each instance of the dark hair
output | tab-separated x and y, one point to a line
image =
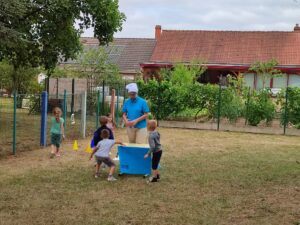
103	120
105	134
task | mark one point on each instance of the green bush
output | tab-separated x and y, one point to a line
259	108
164	98
293	107
232	105
201	97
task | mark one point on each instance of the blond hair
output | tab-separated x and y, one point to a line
152	124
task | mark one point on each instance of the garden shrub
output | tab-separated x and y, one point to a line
232	105
259	108
293	107
164	98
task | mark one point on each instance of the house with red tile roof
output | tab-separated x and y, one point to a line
126	53
228	52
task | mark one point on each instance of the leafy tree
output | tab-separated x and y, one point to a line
10	10
66	72
183	74
95	64
25	82
44	30
266	70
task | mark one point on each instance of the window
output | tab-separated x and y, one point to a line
294	80
249	79
259	82
280	82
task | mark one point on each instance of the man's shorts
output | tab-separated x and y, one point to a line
56	139
105	160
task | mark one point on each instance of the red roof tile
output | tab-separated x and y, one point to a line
228	47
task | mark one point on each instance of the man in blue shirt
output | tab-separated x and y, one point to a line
135	112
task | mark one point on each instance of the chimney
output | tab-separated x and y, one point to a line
297	28
158	31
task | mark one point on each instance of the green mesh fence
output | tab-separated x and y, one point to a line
28	116
27	123
6	125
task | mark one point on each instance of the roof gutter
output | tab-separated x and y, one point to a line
221	66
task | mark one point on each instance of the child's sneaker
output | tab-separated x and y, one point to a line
116	158
152	179
111	178
158	177
97	175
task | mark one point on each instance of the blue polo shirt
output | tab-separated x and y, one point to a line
135	109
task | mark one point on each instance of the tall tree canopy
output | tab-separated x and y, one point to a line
40	32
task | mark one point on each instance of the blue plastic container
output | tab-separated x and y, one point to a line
132	160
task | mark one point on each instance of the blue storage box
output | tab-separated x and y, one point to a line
132	159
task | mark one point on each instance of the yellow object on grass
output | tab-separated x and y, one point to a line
75	146
88	149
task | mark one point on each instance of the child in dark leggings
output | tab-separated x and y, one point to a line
155	149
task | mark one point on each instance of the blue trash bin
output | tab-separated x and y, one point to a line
132	160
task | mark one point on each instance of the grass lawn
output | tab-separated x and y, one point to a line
28	128
207	178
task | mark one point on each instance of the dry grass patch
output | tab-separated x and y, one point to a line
207	178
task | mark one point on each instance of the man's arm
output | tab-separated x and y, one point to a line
128	123
145	116
146	111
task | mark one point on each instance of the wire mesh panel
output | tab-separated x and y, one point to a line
99	102
28	122
6	124
290	108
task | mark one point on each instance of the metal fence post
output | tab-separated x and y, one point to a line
15	124
219	106
117	109
103	97
247	106
83	114
43	134
65	108
286	111
158	104
98	109
73	93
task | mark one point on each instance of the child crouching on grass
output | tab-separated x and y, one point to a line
57	131
102	151
155	149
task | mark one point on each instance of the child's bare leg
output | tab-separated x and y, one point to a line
98	168
155	173
53	149
112	170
